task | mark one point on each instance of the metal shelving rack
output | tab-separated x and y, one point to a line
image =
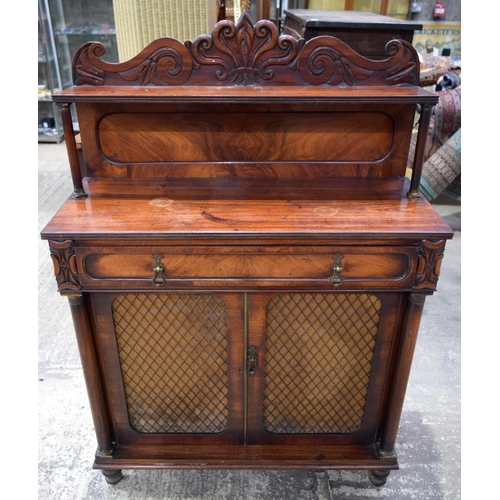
63	26
49	79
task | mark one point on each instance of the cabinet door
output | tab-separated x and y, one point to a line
172	365
319	366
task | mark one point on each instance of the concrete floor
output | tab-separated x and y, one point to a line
428	444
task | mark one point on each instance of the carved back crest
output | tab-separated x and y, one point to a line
248	54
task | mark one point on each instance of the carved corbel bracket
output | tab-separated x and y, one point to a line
429	264
65	269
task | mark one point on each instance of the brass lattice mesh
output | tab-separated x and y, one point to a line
319	352
173	356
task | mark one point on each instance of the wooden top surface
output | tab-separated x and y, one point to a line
247	211
349	19
253	94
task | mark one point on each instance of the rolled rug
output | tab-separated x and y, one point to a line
454	190
445	121
442	168
448	113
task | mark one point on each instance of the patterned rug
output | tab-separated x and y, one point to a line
441	170
430	61
447	113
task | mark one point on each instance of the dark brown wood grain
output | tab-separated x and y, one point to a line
252	94
95	389
242	226
245	267
254	457
404	357
102	217
315	388
255	137
124	432
160	141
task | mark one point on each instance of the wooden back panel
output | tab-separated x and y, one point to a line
148	140
245	102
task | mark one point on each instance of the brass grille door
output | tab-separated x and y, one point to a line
173	354
316	358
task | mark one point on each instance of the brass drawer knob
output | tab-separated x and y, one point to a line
158	268
337	268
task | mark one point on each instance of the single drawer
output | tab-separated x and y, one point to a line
229	267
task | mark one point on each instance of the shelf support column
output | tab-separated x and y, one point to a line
74	162
418	160
413	315
95	392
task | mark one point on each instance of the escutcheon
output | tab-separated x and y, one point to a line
337	268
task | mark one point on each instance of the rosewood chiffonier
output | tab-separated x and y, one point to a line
245	261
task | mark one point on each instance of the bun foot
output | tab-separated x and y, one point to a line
379	477
112	476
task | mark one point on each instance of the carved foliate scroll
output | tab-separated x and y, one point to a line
164	62
65	269
328	60
431	253
248	54
244	54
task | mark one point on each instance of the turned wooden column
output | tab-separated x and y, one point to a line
401	374
91	373
418	160
74	162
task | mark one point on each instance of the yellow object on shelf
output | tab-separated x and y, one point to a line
138	23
